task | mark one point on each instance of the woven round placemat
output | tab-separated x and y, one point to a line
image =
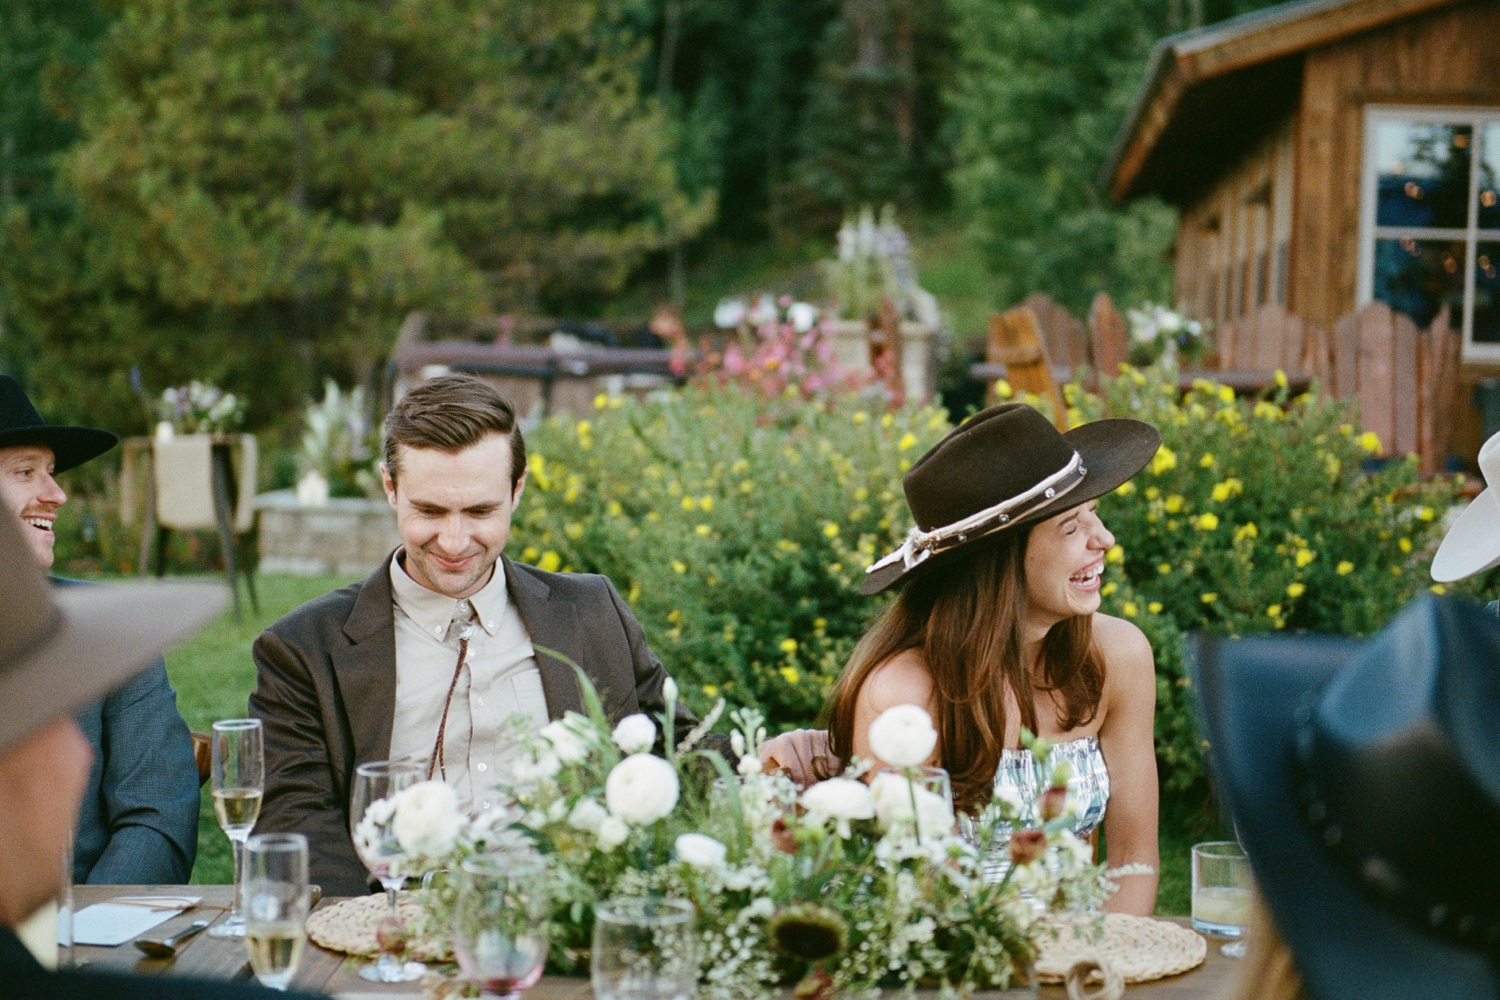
349	926
1140	949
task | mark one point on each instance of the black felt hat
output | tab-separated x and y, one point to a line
1003	467
21	424
1363	779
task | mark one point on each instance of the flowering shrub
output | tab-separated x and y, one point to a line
1156	331
339	445
737	527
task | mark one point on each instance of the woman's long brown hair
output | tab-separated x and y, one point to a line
965	619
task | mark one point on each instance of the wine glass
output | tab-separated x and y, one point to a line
371	821
239	780
644	949
500	922
277	899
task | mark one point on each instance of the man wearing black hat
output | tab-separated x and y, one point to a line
139	819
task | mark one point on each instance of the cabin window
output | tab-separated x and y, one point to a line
1430	225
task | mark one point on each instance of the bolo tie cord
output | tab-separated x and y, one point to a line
437	760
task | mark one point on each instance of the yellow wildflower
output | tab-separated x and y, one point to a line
1130	609
1125	489
1226	393
1296	590
1003	389
908	441
1274	611
1404	544
860	416
1344	568
1280	377
1116	554
1246	530
1438	588
1207	461
746	486
1152	492
529	554
712	690
1425	513
674	615
887	420
613	508
790	674
1164	568
550	561
573	530
601	401
1164	461
1304	556
1154	607
1209	597
1370	442
706	502
1174	504
678	566
1108	588
703	530
831	530
788	646
689	503
1207	522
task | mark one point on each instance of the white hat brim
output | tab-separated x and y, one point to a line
1472	544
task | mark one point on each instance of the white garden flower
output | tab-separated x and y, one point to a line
641	789
802	316
903	736
894	795
612	833
841	800
427	820
701	850
588	815
534	768
669	690
748	765
568	742
729	313
635	733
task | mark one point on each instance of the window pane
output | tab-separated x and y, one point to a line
1422	173
1489	179
1418	277
1487	294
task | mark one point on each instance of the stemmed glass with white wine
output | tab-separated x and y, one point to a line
372	818
277	899
239	781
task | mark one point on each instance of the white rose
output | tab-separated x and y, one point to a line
641	789
840	798
612	833
894	794
427	820
588	815
567	743
903	736
635	733
700	850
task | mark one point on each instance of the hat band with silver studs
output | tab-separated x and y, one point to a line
921	545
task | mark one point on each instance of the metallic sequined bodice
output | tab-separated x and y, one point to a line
1088	789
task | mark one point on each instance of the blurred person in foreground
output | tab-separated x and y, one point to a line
433	654
139	820
1363	780
60	649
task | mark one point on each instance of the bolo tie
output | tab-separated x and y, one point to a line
462	627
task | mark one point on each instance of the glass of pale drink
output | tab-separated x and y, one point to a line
277	900
1221	892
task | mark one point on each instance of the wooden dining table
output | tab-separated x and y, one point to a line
323	971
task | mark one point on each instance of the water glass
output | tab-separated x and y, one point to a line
277	900
239	781
372	825
644	949
500	933
1221	890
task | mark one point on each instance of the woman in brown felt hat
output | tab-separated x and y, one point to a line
997	626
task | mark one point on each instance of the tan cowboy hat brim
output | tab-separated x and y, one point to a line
99	638
1112	450
1472	544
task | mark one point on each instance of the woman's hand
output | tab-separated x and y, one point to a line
802	754
1126	738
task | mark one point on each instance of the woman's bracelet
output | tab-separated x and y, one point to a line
1127	870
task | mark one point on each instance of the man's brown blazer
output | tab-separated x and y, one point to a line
326	693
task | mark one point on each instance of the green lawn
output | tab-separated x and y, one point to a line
213	676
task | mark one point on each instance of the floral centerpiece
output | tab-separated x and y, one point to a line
844	886
199	408
339	446
1157	332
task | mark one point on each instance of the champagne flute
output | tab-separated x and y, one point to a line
239	780
500	922
371	822
277	899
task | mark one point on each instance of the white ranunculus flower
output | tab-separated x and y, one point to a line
534	768
841	800
567	743
427	820
903	736
635	733
641	789
894	795
612	833
588	815
701	850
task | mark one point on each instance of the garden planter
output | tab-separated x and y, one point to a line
851	350
343	536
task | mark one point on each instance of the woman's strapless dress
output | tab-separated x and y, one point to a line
1088	790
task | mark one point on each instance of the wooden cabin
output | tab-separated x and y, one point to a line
1324	154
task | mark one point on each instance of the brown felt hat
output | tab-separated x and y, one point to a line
61	648
1003	467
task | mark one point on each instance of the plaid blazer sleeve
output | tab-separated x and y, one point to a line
148	796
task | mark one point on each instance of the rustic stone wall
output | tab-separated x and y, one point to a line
343	536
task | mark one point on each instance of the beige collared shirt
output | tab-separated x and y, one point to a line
500	679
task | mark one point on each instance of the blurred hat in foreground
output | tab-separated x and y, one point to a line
1472	544
61	648
1364	783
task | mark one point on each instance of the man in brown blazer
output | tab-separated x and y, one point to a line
431	655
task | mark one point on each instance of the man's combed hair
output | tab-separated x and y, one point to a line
450	413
